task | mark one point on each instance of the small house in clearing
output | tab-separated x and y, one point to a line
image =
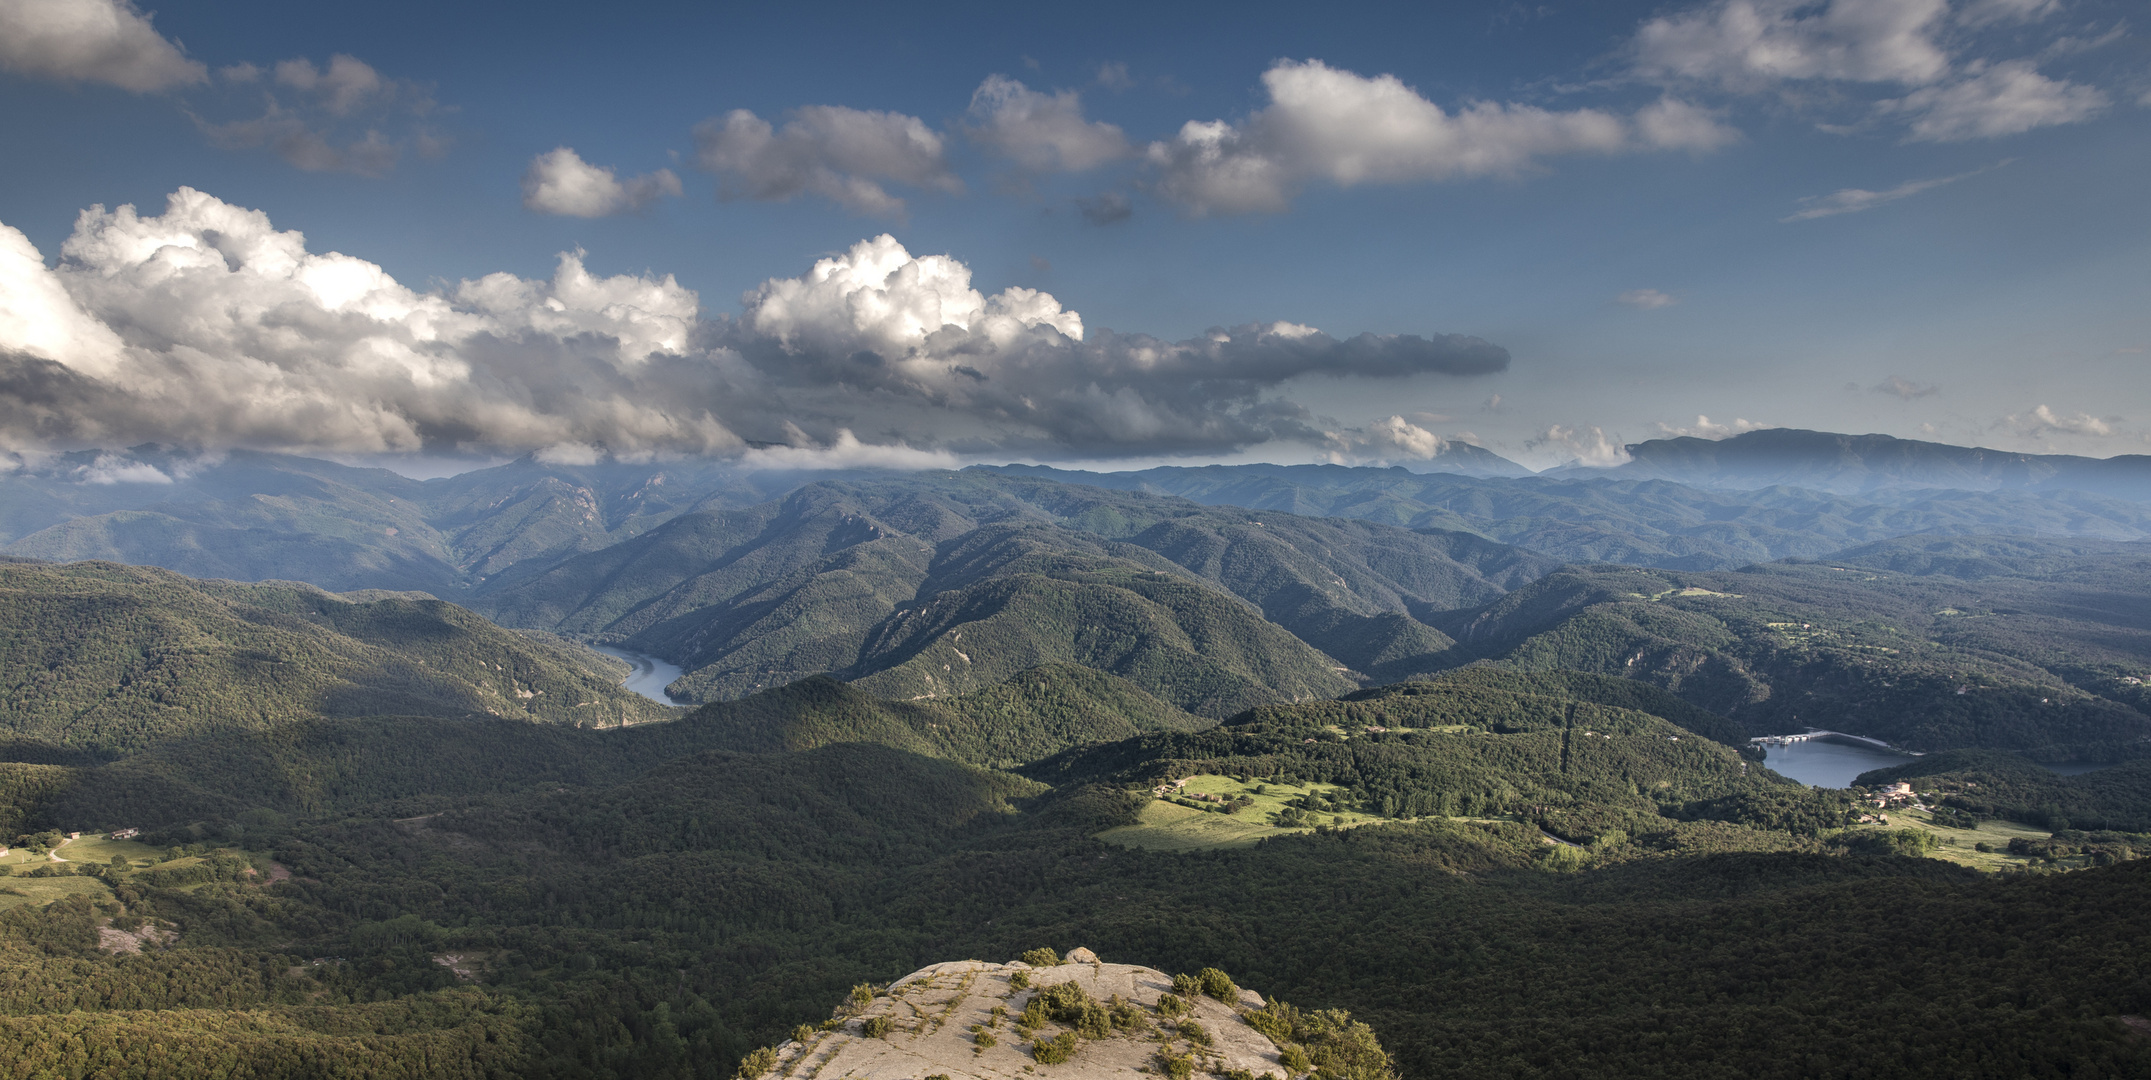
124	834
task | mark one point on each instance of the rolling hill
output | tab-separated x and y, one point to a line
2043	650
864	578
108	657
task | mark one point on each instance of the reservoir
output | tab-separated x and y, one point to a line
650	676
1833	763
1830	763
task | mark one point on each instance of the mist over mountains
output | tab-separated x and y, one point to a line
1755	497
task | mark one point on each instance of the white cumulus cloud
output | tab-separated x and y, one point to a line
877	296
561	182
102	41
233	333
1325	123
840	154
2042	420
1590	447
206	326
1384	442
1041	132
1705	428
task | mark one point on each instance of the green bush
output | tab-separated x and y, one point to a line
985	1038
1196	1033
1294	1060
1126	1016
1187	986
1171	1005
1277	1020
1219	985
879	1027
1345	1049
1914	843
1020	980
862	994
1055	1050
1175	1067
1041	958
802	1033
755	1064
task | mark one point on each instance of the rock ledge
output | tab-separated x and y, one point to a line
930	1023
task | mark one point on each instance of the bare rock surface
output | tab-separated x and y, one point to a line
928	1024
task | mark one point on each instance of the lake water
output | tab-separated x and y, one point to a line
650	676
1827	763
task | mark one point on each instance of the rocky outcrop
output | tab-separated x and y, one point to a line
1077	1020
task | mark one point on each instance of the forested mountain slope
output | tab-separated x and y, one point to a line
332	765
108	657
866	577
2042	650
662	910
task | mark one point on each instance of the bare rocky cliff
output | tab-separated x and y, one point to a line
1079	1019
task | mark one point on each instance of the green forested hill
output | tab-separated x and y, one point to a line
1994	784
1031	715
109	657
1200	649
661	921
836	575
2040	662
1581	756
336	765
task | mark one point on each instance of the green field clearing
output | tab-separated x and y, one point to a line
17	890
1995	834
1167	826
97	849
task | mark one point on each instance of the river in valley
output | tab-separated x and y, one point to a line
650	676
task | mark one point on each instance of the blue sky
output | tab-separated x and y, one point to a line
1905	216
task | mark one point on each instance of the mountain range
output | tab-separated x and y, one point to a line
1468	756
